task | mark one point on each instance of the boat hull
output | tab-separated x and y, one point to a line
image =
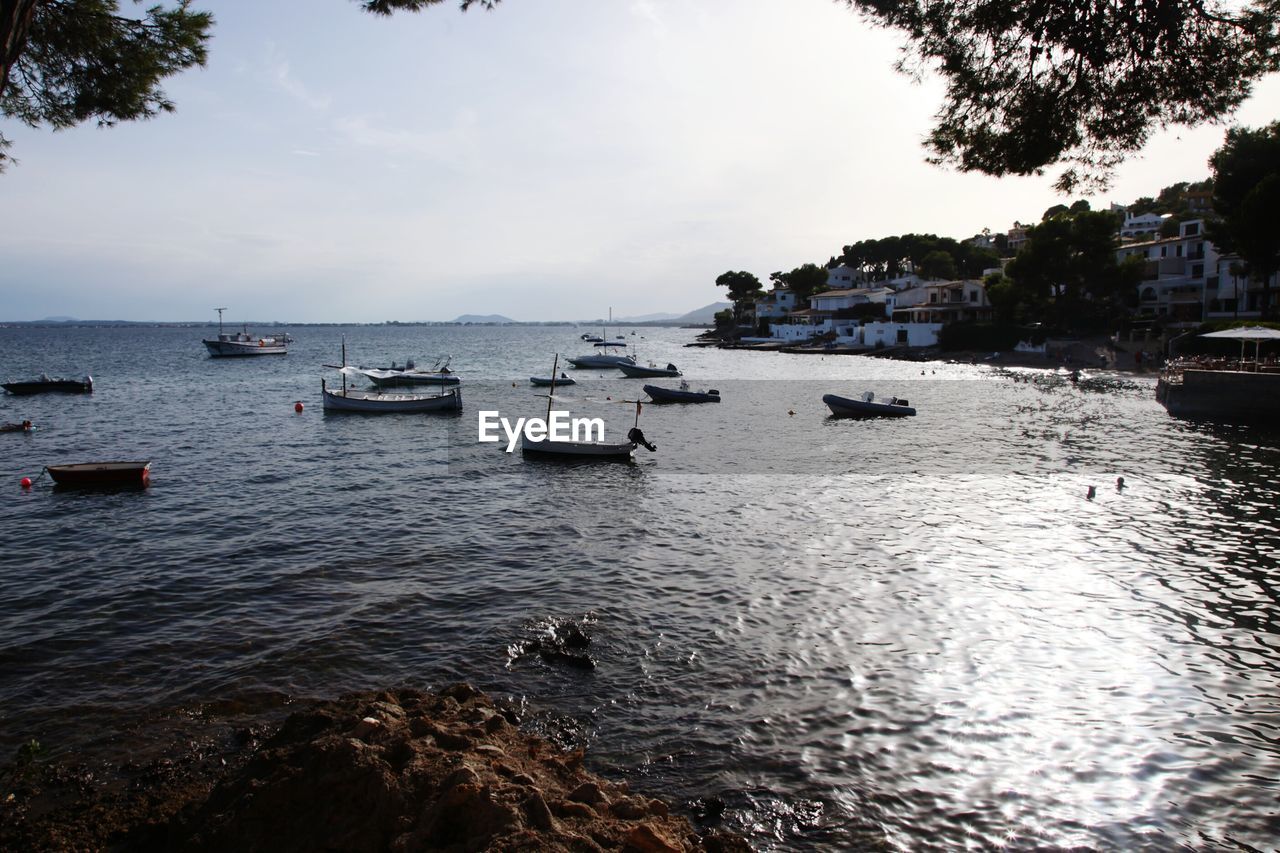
546	382
42	386
635	371
373	402
605	362
236	349
102	474
577	449
845	407
658	394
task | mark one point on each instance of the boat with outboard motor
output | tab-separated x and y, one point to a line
243	344
551	381
570	449
867	407
600	362
683	394
652	371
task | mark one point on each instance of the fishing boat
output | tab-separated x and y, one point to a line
867	407
100	474
44	384
636	371
378	402
683	394
568	449
233	344
552	381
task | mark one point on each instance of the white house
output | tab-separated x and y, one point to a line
1181	276
778	302
1137	226
948	302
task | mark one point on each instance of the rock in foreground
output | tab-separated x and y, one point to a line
395	771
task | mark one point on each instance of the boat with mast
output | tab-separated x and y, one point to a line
380	402
570	449
241	343
603	359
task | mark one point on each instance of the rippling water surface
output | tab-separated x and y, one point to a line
915	634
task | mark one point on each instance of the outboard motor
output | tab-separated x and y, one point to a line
636	435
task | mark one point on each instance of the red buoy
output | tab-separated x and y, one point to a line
297	407
25	482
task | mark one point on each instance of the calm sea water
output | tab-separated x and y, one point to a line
918	634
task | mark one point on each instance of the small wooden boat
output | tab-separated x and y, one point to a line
577	449
47	383
101	474
681	395
867	407
636	371
547	381
376	402
25	426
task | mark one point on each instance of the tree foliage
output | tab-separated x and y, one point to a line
63	62
1067	275
1246	202
803	281
1034	83
890	257
744	288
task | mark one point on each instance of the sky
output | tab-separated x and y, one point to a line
551	159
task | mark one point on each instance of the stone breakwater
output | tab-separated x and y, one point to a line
395	770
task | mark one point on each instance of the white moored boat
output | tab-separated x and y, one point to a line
601	361
244	344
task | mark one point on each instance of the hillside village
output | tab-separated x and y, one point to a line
1174	279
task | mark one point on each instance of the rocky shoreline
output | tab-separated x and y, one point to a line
395	770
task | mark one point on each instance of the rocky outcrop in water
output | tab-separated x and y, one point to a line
393	771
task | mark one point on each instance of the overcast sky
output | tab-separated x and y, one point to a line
550	159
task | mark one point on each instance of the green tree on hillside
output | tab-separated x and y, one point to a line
803	281
744	289
1246	201
1067	276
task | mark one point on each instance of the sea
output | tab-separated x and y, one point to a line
961	630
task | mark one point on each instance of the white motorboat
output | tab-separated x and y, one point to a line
244	344
584	362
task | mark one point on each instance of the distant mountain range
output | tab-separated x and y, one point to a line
494	319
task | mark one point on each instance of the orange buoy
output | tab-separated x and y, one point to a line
25	482
297	407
